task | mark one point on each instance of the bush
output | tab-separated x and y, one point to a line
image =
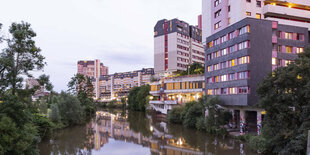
70	109
44	125
138	98
174	115
194	112
258	143
201	123
112	104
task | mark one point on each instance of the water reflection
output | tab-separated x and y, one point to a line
137	133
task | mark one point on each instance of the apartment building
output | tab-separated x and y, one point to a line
176	45
31	83
219	14
118	85
93	69
241	55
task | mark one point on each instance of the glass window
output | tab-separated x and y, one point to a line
258	16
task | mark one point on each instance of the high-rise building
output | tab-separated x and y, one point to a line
241	55
93	69
176	45
218	14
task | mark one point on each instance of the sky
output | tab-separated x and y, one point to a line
118	32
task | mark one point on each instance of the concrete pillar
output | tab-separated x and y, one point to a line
259	122
233	118
242	122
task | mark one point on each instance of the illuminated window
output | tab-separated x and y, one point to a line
229	20
258	16
288	49
217	25
217	13
274	61
300	50
248	13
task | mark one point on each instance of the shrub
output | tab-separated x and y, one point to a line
258	143
174	115
193	113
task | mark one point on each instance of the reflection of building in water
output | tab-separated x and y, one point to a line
115	126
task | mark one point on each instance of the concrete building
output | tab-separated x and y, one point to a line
118	85
239	57
93	69
172	91
219	14
176	45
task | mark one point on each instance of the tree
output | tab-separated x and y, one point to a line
70	109
20	57
192	69
285	95
138	98
55	114
82	86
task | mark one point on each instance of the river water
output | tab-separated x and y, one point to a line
136	133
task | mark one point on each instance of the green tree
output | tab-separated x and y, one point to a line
285	95
175	115
55	114
20	57
70	109
138	98
82	86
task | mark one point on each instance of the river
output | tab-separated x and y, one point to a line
136	133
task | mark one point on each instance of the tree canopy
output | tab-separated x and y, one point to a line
285	95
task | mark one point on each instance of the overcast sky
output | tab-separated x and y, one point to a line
118	32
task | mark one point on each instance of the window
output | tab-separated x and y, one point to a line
231	63
299	50
223	65
228	8
231	76
224	91
258	16
243	45
248	13
224	78
217	2
229	20
243	90
231	49
258	3
248	1
231	35
217	13
288	49
300	37
279	48
288	35
245	29
243	60
232	90
274	61
217	25
224	52
243	75
224	38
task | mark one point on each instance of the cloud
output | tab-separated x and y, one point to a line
118	32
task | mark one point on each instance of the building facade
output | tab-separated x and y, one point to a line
32	83
118	85
243	54
93	69
172	91
176	45
219	14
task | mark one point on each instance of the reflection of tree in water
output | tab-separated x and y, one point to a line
139	123
75	140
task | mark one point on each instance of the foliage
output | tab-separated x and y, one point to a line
70	109
138	98
17	140
43	124
19	58
55	114
82	86
174	115
194	112
193	69
285	95
112	104
258	143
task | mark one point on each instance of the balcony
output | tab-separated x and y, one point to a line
282	11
